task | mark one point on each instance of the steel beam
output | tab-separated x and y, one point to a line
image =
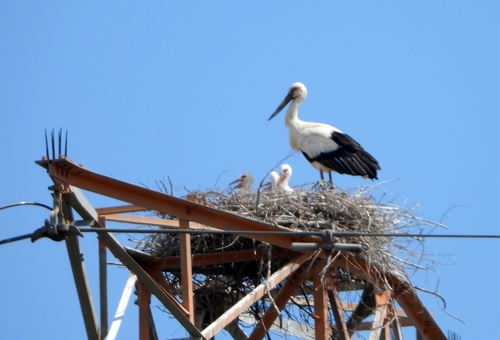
119	209
284	325
155	271
252	297
336	306
168	301
403	292
103	289
200	260
144	298
66	172
379	321
82	287
292	283
122	306
320	309
152	328
86	211
150	221
186	270
423	321
396	329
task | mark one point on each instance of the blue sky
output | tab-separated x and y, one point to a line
184	90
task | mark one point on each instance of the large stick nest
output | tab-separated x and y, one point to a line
219	286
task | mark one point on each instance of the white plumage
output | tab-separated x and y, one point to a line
279	182
324	146
284	178
274	177
245	181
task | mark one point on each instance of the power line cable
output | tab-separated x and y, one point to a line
14	239
13	205
288	233
26	203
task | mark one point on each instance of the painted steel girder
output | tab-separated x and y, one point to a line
66	172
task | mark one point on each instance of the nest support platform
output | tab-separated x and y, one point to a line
212	282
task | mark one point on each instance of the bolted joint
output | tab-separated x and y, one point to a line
56	232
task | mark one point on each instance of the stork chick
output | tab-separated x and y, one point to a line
245	181
284	178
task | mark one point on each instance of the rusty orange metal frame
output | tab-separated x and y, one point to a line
240	306
65	172
182	315
186	270
150	221
380	322
337	308
293	282
321	326
144	299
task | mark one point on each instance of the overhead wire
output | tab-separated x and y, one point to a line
240	232
193	231
26	203
288	233
16	238
13	205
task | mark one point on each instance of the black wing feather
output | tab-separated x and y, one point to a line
350	158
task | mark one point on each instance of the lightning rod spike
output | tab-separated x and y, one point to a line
46	145
53	145
60	144
66	145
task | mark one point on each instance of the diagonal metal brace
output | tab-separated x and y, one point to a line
56	232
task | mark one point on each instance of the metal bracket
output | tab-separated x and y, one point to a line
55	232
327	244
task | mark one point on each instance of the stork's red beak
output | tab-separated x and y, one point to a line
236	181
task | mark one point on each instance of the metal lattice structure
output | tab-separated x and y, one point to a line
69	181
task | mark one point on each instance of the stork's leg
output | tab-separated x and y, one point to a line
322	182
330	182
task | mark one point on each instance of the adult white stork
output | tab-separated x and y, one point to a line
245	181
324	146
284	178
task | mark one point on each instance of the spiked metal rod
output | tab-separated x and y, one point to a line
46	145
60	143
53	145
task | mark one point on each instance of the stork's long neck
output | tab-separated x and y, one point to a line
292	120
293	123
